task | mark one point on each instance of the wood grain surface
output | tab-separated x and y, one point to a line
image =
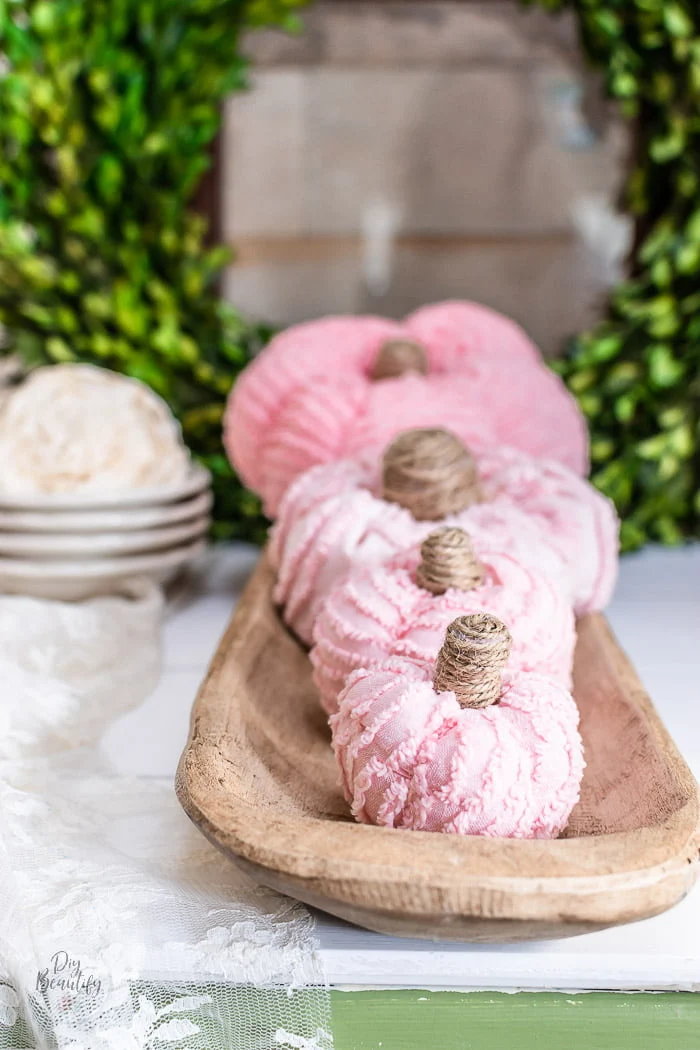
259	779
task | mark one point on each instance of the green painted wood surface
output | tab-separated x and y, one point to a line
414	1020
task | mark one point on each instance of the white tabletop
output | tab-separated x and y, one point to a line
656	615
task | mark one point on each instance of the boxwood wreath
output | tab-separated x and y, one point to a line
108	109
107	113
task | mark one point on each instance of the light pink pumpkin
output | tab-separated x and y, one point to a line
333	518
308	399
383	611
331	523
412	758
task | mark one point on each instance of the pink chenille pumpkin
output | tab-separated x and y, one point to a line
335	518
404	608
329	389
415	752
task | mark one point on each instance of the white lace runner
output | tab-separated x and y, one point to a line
121	927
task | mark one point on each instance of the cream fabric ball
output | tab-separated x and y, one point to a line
77	428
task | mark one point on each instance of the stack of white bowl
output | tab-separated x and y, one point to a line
74	546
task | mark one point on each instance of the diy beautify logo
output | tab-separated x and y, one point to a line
65	974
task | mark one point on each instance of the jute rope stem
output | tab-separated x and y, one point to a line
430	473
475	650
448	560
396	357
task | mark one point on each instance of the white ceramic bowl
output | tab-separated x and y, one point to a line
77	579
116	520
99	544
198	479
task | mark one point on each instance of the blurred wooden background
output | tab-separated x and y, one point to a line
402	152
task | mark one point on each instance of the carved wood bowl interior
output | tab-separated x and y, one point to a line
259	779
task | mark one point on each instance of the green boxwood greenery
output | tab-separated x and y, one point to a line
637	375
107	110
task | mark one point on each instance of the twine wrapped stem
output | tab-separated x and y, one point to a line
475	650
396	357
430	473
448	560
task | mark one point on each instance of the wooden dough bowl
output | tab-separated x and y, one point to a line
259	779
